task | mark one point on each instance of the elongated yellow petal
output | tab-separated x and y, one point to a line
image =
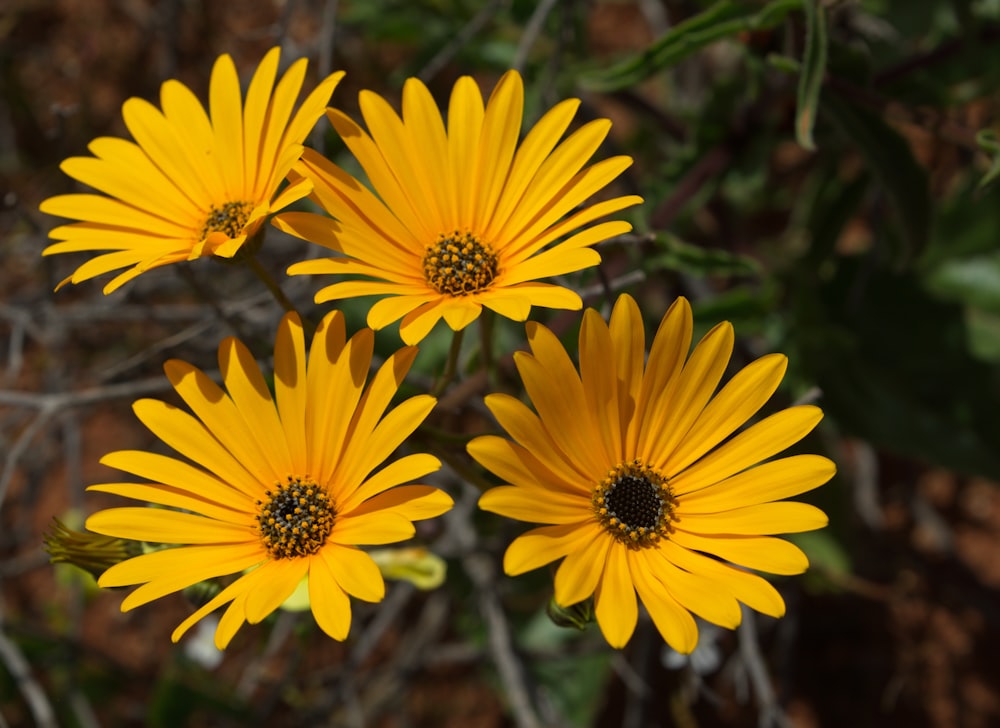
544	545
581	571
275	582
759	442
330	605
165	526
764	553
410	467
614	601
355	572
761	519
674	622
736	403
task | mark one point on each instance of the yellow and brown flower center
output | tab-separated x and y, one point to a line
229	218
295	518
634	503
459	264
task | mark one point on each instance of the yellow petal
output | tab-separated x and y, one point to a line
763	553
170	570
330	606
697	593
555	389
181	475
371	529
226	110
761	519
614	602
412	502
771	481
528	430
167	495
666	358
275	580
158	525
535	505
544	545
755	444
628	342
290	388
581	570
498	141
191	438
252	398
749	588
518	466
695	386
355	572
736	403
599	377
221	417
407	468
674	622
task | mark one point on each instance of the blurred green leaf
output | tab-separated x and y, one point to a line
988	142
894	367
697	260
720	21
892	161
974	281
811	76
829	563
984	334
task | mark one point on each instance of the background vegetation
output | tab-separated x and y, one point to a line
822	174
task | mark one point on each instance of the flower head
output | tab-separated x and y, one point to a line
280	489
192	184
643	485
464	217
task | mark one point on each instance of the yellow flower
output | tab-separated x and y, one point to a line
190	185
643	484
464	217
279	491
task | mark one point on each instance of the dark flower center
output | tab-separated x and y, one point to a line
229	218
634	503
459	264
295	518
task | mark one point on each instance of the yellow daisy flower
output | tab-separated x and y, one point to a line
190	185
641	481
278	491
464	217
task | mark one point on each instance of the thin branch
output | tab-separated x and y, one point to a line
461	39
531	32
480	569
19	669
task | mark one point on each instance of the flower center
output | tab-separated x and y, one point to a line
230	219
634	503
295	518
459	264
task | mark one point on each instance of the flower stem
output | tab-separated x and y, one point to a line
279	295
487	319
451	365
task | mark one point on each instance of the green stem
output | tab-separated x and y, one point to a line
451	366
487	319
279	295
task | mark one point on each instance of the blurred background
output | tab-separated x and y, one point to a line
820	174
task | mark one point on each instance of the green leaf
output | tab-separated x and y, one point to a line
811	76
988	142
697	260
894	367
974	281
722	20
889	156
